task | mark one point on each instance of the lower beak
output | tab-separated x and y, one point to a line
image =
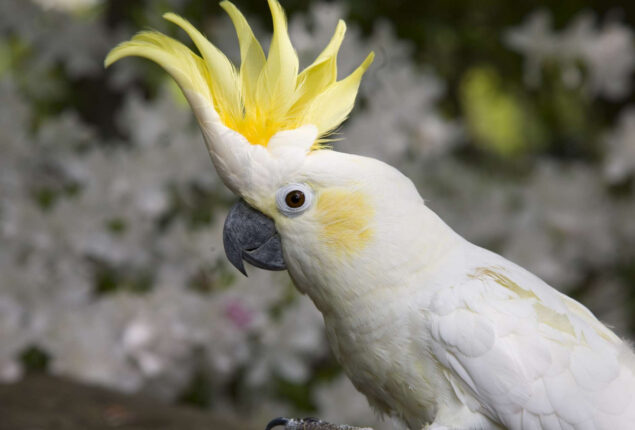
251	236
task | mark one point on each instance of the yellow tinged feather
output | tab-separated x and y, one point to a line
334	44
252	57
267	95
546	315
331	107
187	69
583	313
311	85
224	80
320	74
277	81
345	217
553	319
502	280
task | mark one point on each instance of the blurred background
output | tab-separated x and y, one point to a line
516	120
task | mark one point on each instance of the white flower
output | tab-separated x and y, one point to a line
564	227
607	52
68	5
536	41
620	142
289	346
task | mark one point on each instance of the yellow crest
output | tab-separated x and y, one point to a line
266	95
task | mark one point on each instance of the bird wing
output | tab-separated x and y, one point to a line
529	357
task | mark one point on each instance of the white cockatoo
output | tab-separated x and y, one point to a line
432	329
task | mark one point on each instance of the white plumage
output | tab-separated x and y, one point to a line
432	329
435	329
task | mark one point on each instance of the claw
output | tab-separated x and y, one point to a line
309	423
280	421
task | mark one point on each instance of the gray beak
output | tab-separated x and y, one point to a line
251	236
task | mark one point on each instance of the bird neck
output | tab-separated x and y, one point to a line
401	256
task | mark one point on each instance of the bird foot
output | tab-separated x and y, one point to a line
309	424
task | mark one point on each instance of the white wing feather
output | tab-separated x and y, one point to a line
531	357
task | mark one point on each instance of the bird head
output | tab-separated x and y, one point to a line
303	206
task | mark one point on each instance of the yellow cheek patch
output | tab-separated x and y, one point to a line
345	218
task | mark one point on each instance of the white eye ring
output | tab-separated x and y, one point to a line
304	199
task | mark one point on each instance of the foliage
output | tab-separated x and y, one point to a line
521	136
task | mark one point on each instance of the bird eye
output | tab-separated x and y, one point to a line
294	199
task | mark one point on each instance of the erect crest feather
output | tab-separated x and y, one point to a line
266	95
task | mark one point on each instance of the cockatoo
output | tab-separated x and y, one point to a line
434	330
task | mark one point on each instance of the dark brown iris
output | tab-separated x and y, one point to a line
295	199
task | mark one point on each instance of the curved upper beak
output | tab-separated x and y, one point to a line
251	236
